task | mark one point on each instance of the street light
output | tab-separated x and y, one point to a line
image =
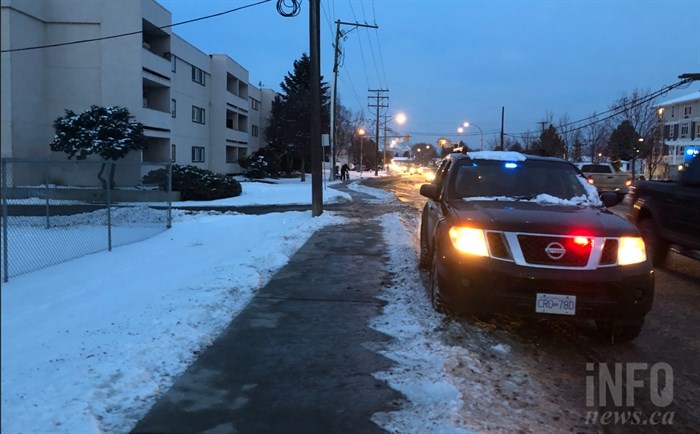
400	119
467	125
361	133
634	157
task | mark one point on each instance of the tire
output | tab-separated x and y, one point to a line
434	288
425	258
619	332
657	249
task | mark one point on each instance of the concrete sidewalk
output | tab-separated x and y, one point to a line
298	358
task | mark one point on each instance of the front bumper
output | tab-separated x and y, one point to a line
475	284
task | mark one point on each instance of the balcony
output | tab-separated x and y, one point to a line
236	136
158	67
151	118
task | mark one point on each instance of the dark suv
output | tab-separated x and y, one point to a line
526	235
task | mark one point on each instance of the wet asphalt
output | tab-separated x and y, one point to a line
298	358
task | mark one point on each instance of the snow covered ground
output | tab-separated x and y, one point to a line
89	345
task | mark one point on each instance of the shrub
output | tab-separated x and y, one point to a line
263	163
195	183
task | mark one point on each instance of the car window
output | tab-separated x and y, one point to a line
440	174
522	179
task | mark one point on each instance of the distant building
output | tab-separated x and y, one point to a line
680	118
197	108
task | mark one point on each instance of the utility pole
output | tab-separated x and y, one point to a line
334	103
315	142
503	114
378	104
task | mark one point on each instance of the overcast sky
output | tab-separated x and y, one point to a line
449	61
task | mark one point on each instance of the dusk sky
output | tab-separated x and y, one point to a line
450	61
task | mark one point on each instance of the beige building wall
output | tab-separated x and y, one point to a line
150	73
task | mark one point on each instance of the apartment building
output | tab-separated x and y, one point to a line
680	118
197	108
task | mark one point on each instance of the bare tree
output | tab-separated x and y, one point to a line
638	108
346	125
571	137
595	138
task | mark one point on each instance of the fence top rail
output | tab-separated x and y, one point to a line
50	160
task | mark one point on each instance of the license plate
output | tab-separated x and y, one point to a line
556	304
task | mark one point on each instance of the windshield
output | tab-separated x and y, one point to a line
538	180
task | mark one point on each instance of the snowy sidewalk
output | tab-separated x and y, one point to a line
298	358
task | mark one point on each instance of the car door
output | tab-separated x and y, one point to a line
432	212
683	212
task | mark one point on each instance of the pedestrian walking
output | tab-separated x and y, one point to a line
344	172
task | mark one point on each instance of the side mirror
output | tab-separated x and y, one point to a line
430	191
610	199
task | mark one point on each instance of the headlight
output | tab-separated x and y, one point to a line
631	250
469	240
430	176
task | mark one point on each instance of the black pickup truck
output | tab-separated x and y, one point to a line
668	212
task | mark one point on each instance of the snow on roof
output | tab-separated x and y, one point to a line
686	98
498	155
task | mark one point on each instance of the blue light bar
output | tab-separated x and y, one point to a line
510	165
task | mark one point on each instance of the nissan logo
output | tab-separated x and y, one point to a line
555	251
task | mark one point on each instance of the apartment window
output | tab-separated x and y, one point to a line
173	62
173	107
254	130
197	154
697	130
254	104
173	153
687	110
198	76
231	154
685	129
673	111
199	115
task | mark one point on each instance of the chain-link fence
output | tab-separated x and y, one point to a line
55	211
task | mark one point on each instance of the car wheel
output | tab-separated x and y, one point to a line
657	249
434	288
619	332
424	262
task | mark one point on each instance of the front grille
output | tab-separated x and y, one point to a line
562	251
609	255
497	245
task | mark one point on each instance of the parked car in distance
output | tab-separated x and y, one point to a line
668	212
604	177
527	235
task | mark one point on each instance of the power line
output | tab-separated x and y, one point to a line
121	35
615	111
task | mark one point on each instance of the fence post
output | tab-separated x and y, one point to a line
5	260
109	215
169	190
46	181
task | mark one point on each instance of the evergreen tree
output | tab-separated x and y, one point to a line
622	142
550	143
110	132
289	130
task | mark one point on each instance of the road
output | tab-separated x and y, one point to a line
565	356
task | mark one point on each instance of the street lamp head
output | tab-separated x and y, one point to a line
465	125
400	118
460	130
361	131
